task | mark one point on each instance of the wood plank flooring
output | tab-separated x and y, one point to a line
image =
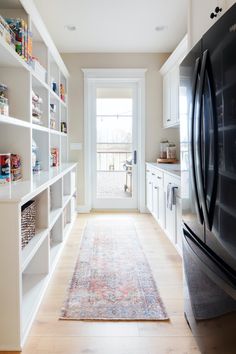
52	336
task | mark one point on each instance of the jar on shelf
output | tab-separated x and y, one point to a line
171	151
4	107
3	90
163	149
53	116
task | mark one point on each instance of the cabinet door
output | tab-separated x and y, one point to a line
200	20
166	100
161	207
174	95
149	199
179	224
171	222
155	195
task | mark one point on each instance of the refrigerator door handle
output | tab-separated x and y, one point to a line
208	214
199	142
215	142
192	141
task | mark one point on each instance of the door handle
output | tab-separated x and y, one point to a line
208	215
135	157
199	124
209	76
192	139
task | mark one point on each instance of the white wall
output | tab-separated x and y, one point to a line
154	131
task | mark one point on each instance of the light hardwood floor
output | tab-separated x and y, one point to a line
50	335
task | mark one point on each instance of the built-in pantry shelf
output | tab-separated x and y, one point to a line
25	273
32	247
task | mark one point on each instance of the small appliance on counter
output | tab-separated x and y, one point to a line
167	152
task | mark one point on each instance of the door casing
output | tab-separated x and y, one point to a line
95	78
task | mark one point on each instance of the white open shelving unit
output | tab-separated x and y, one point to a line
25	273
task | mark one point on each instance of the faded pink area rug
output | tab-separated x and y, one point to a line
112	279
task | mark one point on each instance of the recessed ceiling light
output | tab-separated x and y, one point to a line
160	28
70	27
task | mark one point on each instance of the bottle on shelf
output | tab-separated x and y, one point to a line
4	107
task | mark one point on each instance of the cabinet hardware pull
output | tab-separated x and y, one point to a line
150	182
153	174
168	120
156	187
158	177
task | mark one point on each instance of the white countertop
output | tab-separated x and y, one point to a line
173	169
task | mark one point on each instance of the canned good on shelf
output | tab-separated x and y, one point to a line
5	168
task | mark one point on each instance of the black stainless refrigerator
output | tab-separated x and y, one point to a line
208	163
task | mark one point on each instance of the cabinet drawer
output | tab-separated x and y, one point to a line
159	179
173	180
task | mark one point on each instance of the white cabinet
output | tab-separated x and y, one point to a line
171	97
166	100
149	196
200	20
158	210
157	181
171	213
174	95
170	73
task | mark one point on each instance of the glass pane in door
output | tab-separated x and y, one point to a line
114	143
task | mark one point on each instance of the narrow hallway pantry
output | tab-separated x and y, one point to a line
50	335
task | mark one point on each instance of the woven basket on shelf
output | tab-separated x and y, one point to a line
28	221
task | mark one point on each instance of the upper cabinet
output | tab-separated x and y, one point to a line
200	16
170	73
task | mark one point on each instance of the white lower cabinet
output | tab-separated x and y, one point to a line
169	219
149	193
170	228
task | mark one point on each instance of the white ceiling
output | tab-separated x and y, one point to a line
115	26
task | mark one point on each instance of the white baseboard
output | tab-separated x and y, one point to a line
83	209
144	210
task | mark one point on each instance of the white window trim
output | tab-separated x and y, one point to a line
92	76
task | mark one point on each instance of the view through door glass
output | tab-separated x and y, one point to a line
114	143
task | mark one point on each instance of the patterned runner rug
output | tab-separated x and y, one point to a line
112	279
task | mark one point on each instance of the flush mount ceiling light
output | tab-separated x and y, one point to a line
160	28
70	28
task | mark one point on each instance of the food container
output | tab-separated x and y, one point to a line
54	86
3	91
163	149
16	173
64	127
39	69
62	93
4	107
37	167
5	168
171	151
7	33
54	157
53	109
